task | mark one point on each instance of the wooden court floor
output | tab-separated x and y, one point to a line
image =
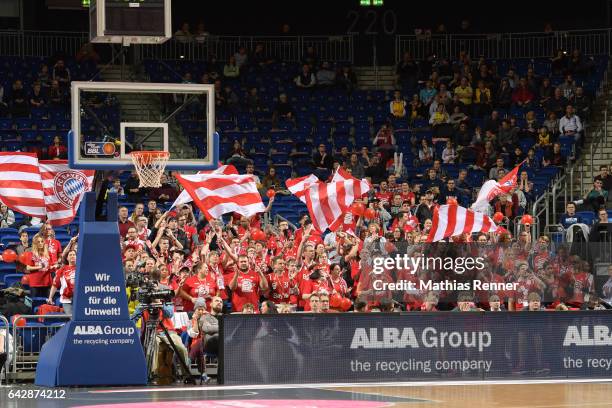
579	395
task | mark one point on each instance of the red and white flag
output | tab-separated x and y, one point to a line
20	183
453	220
218	194
300	185
185	198
63	189
327	202
492	189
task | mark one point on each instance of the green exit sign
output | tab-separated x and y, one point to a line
368	3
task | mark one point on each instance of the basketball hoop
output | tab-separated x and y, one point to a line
150	166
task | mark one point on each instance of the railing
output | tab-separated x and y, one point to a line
287	49
4	326
27	343
41	43
510	45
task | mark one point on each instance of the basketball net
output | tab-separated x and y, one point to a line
150	166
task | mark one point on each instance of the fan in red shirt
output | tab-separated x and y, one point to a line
383	194
407	194
53	245
338	283
38	268
132	239
279	282
247	282
64	281
204	284
576	284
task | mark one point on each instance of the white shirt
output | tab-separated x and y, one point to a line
571	124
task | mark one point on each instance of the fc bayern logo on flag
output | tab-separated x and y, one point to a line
69	185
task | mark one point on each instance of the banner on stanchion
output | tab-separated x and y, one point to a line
306	348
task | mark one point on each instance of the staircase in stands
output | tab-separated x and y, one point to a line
136	107
370	78
597	150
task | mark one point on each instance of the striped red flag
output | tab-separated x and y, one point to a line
453	220
218	194
185	198
63	189
20	183
300	185
327	202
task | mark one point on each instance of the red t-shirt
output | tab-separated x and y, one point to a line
200	288
55	250
247	290
64	279
41	277
279	287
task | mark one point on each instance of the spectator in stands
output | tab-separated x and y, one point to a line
503	97
271	181
544	139
116	187
184	34
397	107
376	171
457	117
577	65
407	73
356	168
346	79
37	98
525	193
57	149
165	193
64	282
597	197
38	264
559	62
250	169
426	152
545	92
449	154
605	177
557	103
44	77
232	102
241	57
124	222
499	165
253	102
132	188
283	110
555	157
482	100
384	141
552	124
464	92
231	70
487	156
310	58
570	217
568	87
322	162
259	59
601	231
86	53
61	74
581	103
237	156
439	121
570	124
7	216
507	137
306	79
522	96
57	96
326	77
201	34
19	104
428	93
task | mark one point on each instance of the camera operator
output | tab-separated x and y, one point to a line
162	305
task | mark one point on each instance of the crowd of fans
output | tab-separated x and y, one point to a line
482	119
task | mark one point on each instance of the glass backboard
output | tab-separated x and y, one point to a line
112	119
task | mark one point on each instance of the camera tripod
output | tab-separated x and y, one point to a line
150	337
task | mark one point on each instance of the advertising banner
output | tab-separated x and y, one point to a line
307	348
